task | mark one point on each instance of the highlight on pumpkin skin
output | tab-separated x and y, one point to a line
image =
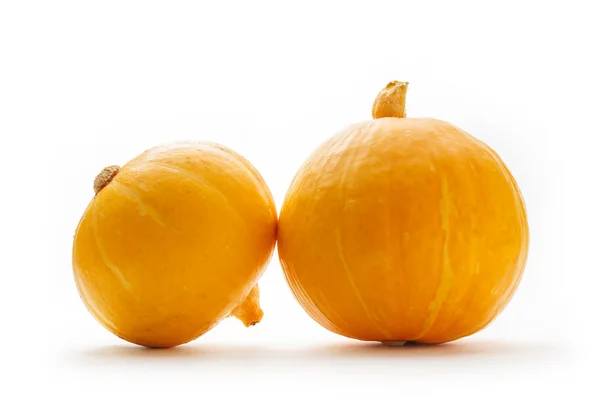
174	242
400	230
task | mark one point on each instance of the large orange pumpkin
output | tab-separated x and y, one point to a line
403	229
173	242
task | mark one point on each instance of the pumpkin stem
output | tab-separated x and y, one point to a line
104	177
390	101
249	311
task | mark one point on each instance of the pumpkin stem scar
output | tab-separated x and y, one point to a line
105	177
391	101
393	343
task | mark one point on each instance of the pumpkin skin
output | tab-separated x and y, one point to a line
174	243
403	230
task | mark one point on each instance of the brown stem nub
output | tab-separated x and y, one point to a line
104	177
249	311
390	102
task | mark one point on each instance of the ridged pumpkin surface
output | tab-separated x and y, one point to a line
174	243
403	229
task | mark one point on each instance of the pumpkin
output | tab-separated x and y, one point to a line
173	242
403	230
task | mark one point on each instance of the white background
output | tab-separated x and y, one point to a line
88	84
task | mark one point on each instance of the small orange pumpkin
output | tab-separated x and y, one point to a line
173	242
403	229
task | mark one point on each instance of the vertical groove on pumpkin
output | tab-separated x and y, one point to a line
104	257
314	309
510	288
340	146
194	177
338	236
446	273
253	173
144	208
359	297
85	297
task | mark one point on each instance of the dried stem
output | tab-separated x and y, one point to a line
104	177
390	102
